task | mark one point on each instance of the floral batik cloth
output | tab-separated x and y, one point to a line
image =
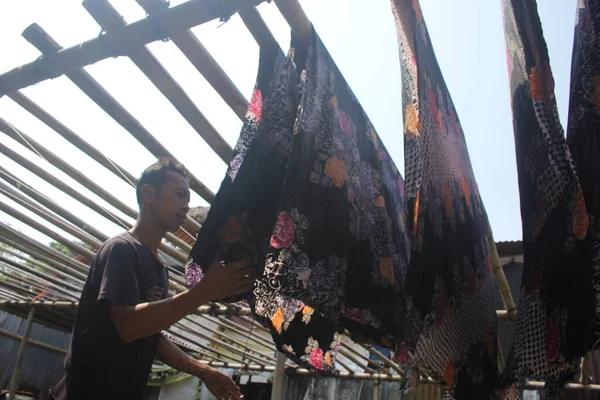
556	312
583	133
450	332
313	195
339	245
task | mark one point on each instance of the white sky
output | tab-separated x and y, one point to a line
467	36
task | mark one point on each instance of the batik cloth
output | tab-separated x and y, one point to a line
556	310
450	332
583	133
314	196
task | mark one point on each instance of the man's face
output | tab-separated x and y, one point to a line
170	203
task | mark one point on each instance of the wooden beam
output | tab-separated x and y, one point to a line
259	30
504	287
72	137
49	216
117	43
30	260
48	203
43	274
46	231
16	377
43	279
62	262
51	179
279	378
110	20
78	176
78	142
35	35
39	254
204	62
296	18
33	342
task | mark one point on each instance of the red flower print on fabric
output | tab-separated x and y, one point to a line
285	231
256	106
316	358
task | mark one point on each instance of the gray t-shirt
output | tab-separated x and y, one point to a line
100	365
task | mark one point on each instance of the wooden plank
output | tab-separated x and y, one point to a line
117	43
200	58
35	35
110	20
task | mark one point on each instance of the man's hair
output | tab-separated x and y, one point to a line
156	174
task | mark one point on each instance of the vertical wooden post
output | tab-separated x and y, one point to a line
16	377
377	390
278	378
586	364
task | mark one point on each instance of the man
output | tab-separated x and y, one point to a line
125	305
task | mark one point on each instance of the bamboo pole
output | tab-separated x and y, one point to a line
84	81
45	230
33	251
48	203
49	216
68	305
16	377
40	172
504	287
110	20
258	339
279	378
569	386
33	342
56	161
81	144
33	286
84	181
354	360
200	58
43	266
194	341
586	364
140	33
43	274
9	295
259	30
71	217
79	177
225	345
76	266
233	340
385	360
45	117
24	292
296	18
350	375
40	277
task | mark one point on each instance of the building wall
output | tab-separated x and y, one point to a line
41	368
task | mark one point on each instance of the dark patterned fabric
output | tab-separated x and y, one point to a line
314	196
583	134
450	331
556	312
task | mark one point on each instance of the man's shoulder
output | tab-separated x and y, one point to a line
124	244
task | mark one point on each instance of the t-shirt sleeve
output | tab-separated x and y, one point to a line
119	285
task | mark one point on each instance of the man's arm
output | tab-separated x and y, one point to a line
141	320
219	384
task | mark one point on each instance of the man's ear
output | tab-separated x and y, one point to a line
148	193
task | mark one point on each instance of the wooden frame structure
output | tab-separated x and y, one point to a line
214	324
